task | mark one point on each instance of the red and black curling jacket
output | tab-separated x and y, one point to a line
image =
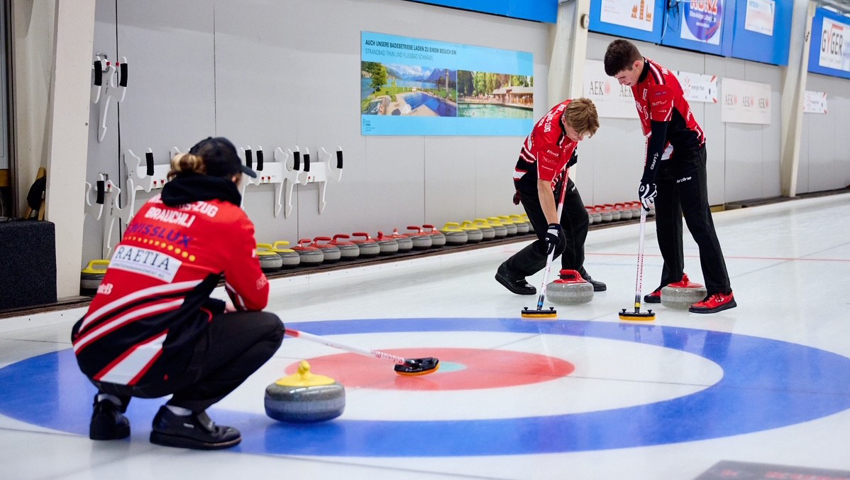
154	301
547	152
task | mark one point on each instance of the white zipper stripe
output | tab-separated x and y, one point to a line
126	318
137	361
151	291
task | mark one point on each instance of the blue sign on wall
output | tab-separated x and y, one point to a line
413	86
536	10
701	25
829	53
763	30
637	19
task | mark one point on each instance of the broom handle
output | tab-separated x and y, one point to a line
552	255
639	279
342	346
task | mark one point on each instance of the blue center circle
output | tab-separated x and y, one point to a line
766	384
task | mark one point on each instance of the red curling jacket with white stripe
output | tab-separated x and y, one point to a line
153	304
665	116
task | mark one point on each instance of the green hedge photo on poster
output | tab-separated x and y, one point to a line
411	86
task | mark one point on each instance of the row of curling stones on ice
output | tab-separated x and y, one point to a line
322	250
613	212
305	397
485	229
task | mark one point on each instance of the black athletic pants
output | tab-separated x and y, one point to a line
235	345
682	189
575	223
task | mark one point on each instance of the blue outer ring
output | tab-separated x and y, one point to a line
766	384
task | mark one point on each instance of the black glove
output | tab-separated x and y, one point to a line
552	238
646	194
517	198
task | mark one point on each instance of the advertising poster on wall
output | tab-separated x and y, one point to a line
612	100
629	13
698	87
412	86
703	21
815	102
760	16
834	48
745	102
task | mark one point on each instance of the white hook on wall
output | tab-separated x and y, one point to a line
325	168
287	167
96	209
110	81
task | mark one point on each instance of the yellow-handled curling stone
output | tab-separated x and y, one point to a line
270	261
305	397
92	275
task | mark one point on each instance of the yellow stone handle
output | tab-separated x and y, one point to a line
305	378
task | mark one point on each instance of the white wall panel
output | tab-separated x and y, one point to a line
171	93
743	161
449	194
495	159
616	156
771	138
842	137
827	145
803	163
821	153
715	134
393	194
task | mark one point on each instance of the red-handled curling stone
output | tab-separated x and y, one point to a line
438	239
682	294
331	252
368	247
347	250
421	240
310	254
569	289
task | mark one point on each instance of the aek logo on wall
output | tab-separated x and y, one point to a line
611	99
833	49
745	102
702	21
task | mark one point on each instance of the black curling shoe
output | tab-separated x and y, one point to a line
597	285
196	431
107	422
516	285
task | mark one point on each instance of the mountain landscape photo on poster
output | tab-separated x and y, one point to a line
412	86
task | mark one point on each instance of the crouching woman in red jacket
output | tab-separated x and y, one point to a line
152	329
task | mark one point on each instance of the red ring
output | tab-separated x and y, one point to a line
482	369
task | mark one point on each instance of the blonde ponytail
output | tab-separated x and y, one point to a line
185	163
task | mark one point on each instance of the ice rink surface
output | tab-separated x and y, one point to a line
585	396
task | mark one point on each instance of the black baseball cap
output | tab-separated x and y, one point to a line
220	157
